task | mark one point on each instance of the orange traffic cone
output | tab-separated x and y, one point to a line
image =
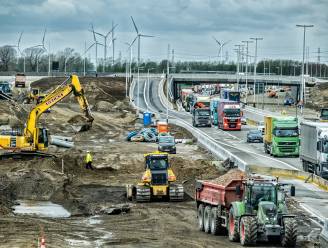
43	243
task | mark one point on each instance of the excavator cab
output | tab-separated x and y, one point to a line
43	138
158	181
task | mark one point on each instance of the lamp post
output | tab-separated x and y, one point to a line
255	65
138	92
302	99
148	80
246	72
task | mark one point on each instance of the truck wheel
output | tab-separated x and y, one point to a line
216	227
207	219
200	216
289	237
233	227
248	231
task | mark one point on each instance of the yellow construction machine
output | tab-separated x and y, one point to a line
157	181
35	95
33	140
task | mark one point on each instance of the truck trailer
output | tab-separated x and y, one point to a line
249	210
214	110
281	136
230	95
229	115
314	147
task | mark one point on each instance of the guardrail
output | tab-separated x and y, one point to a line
324	235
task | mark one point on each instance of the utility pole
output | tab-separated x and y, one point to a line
238	64
302	76
113	43
167	81
316	70
85	51
246	69
307	60
255	65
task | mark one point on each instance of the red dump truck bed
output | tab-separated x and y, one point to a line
221	191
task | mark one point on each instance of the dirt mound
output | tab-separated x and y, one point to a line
78	119
103	106
229	176
318	97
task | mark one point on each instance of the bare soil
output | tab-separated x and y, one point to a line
91	195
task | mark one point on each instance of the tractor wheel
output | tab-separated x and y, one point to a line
289	237
216	227
143	194
233	227
248	231
207	219
200	217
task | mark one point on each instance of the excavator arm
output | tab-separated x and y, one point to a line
53	98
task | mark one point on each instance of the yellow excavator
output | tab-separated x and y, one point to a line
33	140
35	95
158	181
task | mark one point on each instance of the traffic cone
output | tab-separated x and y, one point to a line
43	243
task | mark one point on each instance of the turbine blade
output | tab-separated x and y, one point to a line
20	38
143	35
135	26
133	41
90	47
111	30
226	42
93	31
44	35
216	40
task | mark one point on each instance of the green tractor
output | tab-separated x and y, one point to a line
262	214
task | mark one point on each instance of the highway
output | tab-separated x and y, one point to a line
313	199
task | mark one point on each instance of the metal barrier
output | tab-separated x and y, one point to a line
324	235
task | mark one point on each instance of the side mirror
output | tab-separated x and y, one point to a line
292	190
238	190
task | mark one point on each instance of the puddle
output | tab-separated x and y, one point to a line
41	209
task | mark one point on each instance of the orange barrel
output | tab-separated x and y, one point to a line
162	127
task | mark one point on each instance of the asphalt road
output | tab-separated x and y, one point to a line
313	199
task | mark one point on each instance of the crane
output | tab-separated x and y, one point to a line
33	140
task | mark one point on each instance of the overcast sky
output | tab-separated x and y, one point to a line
188	25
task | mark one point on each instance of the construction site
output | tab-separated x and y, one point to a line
56	200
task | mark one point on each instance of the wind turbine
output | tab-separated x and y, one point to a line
18	48
47	50
221	45
105	42
95	43
139	35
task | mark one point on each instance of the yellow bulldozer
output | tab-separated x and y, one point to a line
35	95
158	181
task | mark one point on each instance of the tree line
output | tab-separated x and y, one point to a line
37	60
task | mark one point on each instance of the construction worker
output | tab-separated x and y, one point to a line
88	161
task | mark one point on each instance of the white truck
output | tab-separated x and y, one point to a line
314	148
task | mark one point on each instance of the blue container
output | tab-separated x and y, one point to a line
146	118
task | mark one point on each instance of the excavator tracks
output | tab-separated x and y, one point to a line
176	192
143	194
25	155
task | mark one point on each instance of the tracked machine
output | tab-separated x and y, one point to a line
158	181
33	141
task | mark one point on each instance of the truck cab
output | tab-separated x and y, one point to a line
281	136
214	111
229	115
201	117
324	115
5	89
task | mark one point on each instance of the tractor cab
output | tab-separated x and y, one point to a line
156	161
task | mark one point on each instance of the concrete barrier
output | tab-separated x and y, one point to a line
295	174
323	238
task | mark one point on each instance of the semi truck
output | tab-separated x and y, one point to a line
199	100
314	147
214	110
201	116
281	136
185	97
230	95
229	115
249	209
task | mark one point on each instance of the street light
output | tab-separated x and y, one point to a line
302	99
148	80
138	92
246	72
255	64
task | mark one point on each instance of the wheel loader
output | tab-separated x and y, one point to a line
158	181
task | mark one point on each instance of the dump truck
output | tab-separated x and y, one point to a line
281	136
5	90
20	80
158	181
249	209
314	147
229	115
